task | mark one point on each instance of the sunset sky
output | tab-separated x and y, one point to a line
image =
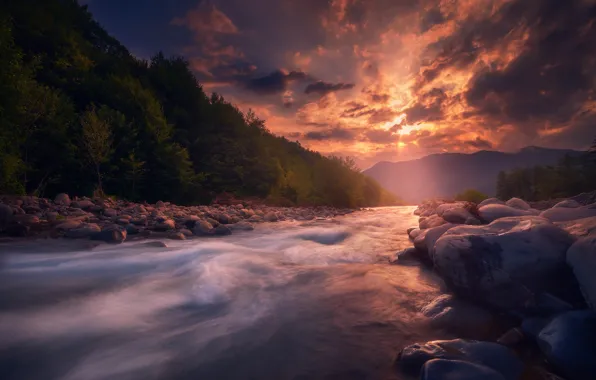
385	79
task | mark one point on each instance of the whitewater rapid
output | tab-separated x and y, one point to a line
290	300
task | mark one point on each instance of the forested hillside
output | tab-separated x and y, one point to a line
571	176
79	114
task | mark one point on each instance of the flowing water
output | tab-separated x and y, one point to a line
290	300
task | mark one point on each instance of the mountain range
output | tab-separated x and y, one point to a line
446	174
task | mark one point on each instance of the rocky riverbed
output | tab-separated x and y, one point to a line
508	261
116	221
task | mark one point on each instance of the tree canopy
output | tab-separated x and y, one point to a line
573	175
79	113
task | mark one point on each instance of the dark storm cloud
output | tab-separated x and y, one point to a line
336	133
479	143
274	83
382	115
323	88
551	77
431	18
429	107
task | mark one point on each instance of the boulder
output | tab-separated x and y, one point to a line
165	225
505	263
569	344
473	221
492	355
431	221
490	201
176	236
222	230
160	204
223	218
512	337
518	203
581	257
441	369
271	217
112	235
562	214
62	199
256	219
456	315
139	221
532	326
203	228
413	234
110	212
26	219
83	204
407	255
186	232
83	231
567	203
6	216
426	240
579	227
441	209
457	215
242	226
68	225
492	212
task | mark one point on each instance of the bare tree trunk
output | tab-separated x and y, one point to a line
99	184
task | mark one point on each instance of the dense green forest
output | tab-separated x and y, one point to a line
80	114
573	175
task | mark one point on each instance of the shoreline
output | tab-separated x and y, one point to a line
515	262
104	220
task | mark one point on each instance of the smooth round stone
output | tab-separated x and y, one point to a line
569	343
441	369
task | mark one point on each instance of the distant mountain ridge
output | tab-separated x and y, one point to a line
446	174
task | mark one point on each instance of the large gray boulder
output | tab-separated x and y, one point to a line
426	240
458	316
492	212
62	199
569	344
581	257
518	203
458	215
562	214
441	369
431	221
568	203
110	235
491	201
492	355
441	209
83	231
579	227
505	263
203	228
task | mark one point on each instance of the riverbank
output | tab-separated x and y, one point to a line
533	268
116	221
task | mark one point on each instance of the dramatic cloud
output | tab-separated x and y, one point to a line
398	79
323	88
337	133
274	83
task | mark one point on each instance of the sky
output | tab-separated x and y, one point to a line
385	80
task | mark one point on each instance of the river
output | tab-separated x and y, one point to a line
290	300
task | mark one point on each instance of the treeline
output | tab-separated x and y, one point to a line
78	113
573	175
